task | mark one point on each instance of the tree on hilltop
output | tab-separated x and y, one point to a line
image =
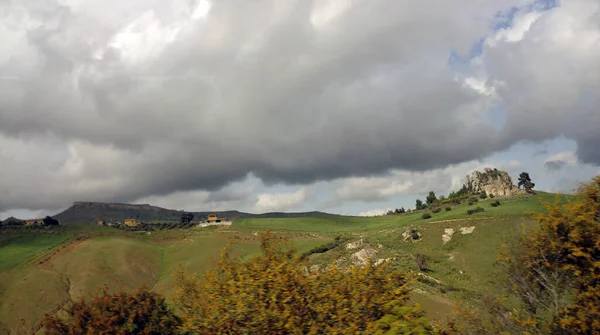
49	221
418	204
431	198
525	182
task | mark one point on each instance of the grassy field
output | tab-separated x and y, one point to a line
39	273
509	208
16	249
120	262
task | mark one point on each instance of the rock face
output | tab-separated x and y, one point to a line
492	181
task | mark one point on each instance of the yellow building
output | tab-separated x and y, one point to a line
130	222
212	218
34	222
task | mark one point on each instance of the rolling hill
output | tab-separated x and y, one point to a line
41	270
82	212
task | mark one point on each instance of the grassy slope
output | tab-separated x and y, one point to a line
464	266
123	263
22	247
510	208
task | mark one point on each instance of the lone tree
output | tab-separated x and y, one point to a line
49	221
431	198
525	181
418	204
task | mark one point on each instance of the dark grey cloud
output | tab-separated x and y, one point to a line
140	99
554	165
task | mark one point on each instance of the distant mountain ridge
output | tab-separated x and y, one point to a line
85	212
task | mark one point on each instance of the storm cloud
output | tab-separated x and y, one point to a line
121	100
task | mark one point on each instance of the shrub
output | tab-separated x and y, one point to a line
492	196
415	234
436	210
475	210
142	312
472	201
448	209
271	294
483	195
421	260
494	204
426	216
323	248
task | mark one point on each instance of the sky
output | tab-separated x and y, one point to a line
345	106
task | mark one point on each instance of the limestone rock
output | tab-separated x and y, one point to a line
492	181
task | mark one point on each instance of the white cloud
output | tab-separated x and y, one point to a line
480	86
441	181
516	32
374	212
371	188
568	157
276	202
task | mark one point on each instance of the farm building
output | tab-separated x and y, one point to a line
34	222
212	218
101	222
130	222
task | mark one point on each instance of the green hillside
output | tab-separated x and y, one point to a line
40	272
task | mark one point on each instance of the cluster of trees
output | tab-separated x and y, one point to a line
142	226
187	217
430	200
397	211
46	222
50	221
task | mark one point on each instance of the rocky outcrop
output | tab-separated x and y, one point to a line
492	181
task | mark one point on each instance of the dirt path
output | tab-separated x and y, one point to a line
481	218
62	248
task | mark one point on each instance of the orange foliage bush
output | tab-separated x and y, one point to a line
142	312
274	294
